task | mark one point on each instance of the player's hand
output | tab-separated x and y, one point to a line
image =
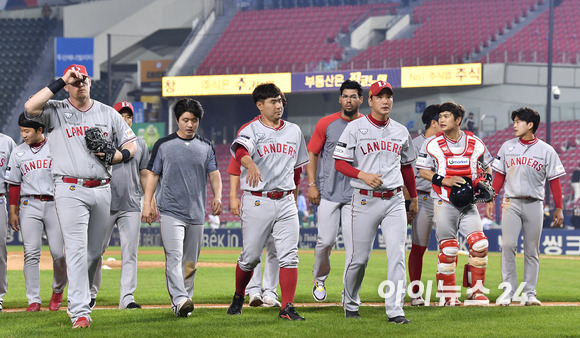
216	206
489	209
148	215
372	180
72	76
235	206
14	222
413	209
314	195
558	218
253	176
454	181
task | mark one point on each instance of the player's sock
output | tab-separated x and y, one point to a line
288	281
416	264
242	280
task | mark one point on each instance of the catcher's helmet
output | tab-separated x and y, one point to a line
462	196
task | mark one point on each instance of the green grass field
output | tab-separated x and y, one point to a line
559	282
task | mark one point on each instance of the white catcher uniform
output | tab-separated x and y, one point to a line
6	147
126	193
381	150
526	168
29	167
82	192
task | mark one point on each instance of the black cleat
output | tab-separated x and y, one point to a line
236	305
289	313
351	314
92	303
399	320
133	305
185	308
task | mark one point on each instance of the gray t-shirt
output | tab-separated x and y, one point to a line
126	190
183	166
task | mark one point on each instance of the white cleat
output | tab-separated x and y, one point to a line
256	300
504	302
417	301
270	301
319	291
533	301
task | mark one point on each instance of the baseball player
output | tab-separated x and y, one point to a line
30	183
523	164
333	197
455	156
376	153
127	185
272	152
6	147
423	223
81	176
178	171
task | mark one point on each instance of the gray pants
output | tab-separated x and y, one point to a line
267	286
182	244
330	217
423	223
367	214
36	215
3	253
449	220
525	216
129	224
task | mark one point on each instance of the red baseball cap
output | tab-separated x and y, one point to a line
79	68
378	86
123	105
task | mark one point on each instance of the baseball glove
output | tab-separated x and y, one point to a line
483	193
97	143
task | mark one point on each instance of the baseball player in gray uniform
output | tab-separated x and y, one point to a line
272	152
523	164
81	178
376	153
30	183
127	185
333	197
423	223
446	160
6	147
178	170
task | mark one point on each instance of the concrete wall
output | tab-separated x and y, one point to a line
364	34
398	27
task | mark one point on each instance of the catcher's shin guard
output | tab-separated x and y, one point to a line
446	285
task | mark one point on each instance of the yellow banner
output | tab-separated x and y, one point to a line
466	74
223	84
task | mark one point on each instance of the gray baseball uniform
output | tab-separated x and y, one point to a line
6	147
526	168
126	193
183	166
380	150
268	285
29	167
82	192
269	208
423	222
335	192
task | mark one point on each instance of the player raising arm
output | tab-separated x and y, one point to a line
523	164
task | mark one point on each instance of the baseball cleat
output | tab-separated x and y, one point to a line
133	305
399	320
55	301
270	301
236	305
289	313
351	314
504	302
184	308
92	303
81	322
256	300
477	299
34	307
452	302
1	301
533	301
417	301
319	291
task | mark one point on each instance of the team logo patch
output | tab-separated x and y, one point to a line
261	135
363	131
129	133
425	197
560	169
510	148
440	202
72	188
20	153
257	203
457	161
25	202
68	115
363	201
507	199
187	143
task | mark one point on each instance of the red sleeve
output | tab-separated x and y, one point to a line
498	180
234	167
346	168
241	152
13	194
409	179
319	136
297	173
556	188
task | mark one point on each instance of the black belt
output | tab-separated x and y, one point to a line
275	195
384	194
41	197
423	192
